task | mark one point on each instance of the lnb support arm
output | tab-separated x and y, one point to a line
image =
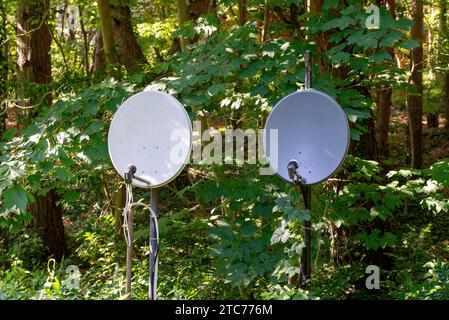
293	173
130	175
306	194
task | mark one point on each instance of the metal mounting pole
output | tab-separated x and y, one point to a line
308	71
153	244
306	266
307	196
129	253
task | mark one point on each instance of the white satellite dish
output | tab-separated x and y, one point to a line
312	129
152	131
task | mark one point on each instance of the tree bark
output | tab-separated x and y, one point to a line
197	8
47	217
443	45
85	43
119	204
266	21
243	12
104	10
384	100
98	58
183	16
446	100
383	119
321	40
33	42
432	120
414	102
3	67
128	50
34	65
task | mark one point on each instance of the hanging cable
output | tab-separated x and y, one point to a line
154	239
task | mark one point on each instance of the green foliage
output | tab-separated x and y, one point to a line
226	231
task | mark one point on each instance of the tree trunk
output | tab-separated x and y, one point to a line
104	10
294	12
446	100
370	149
443	45
128	50
98	58
119	204
266	21
33	42
197	8
383	119
243	12
183	16
414	102
432	120
34	65
47	217
321	40
85	43
3	67
384	100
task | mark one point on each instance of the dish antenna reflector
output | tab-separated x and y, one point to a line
149	143
312	130
311	135
152	131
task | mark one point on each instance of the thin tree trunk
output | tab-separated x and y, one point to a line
85	43
383	119
432	120
414	102
3	67
128	50
119	204
183	16
104	10
446	100
322	39
98	58
444	34
47	217
243	12
266	21
384	101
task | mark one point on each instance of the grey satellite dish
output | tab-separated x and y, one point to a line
312	129
149	142
152	131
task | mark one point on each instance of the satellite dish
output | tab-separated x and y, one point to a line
152	131
312	129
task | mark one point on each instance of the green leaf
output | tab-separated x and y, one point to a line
215	89
440	172
281	234
16	196
9	134
95	126
409	44
91	108
71	196
62	173
340	23
355	134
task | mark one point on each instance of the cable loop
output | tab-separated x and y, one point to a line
129	204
